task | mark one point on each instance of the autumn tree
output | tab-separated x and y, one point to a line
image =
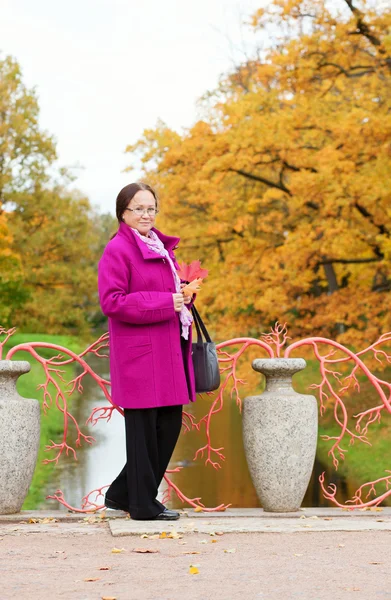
283	189
57	237
50	238
26	151
12	292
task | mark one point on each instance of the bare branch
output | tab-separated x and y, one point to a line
347	261
364	29
279	186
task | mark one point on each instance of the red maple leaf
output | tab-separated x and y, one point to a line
192	271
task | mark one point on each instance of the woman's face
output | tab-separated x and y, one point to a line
139	213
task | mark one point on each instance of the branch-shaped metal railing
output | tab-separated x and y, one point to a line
331	390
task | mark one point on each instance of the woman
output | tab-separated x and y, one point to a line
150	349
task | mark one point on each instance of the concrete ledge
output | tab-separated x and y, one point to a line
234	520
60	515
259	513
256	520
121	527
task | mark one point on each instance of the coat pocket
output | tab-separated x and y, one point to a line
134	347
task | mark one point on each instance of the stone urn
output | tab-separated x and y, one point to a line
280	430
19	437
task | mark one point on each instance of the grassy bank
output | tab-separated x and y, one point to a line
52	423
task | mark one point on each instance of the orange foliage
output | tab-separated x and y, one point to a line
192	288
283	189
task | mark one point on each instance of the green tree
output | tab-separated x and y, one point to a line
26	151
56	233
50	238
12	292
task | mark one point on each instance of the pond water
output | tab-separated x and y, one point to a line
99	464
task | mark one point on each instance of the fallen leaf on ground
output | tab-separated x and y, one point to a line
353	589
379	520
375	509
43	521
183	543
341	545
92	579
198	509
219	532
173	535
117	550
163	535
314	517
327	519
104	568
302	517
375	563
213	541
145	551
109	597
93	519
297	555
193	570
191	552
144	536
203	541
230	550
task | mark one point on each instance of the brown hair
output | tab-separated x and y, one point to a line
125	196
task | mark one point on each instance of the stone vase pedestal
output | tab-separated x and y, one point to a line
19	437
280	430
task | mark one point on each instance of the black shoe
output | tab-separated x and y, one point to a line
167	515
113	505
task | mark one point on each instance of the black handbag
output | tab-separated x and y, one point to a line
204	355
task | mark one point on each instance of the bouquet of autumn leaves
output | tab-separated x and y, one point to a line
193	275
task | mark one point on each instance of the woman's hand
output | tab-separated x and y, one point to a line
187	299
178	302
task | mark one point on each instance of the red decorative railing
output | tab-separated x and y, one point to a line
331	389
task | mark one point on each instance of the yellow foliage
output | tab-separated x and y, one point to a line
284	189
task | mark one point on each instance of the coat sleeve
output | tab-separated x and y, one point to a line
137	307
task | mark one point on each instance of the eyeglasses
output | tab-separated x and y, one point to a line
151	212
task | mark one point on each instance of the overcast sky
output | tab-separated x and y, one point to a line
105	70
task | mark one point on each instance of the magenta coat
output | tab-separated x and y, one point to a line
148	367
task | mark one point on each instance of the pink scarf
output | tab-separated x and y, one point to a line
154	243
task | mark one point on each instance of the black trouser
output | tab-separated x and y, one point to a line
151	435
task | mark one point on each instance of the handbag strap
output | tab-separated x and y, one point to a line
200	327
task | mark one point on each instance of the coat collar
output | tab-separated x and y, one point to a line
169	241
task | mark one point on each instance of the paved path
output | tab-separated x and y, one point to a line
55	555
